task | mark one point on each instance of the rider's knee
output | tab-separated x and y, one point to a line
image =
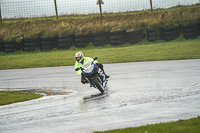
99	65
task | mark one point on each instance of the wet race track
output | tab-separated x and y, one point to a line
139	93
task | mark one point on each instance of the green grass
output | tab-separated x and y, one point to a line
181	126
12	29
143	51
8	97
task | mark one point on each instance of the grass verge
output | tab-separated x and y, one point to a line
144	51
181	126
8	97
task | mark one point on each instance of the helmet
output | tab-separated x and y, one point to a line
79	56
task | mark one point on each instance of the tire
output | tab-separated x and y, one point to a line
10	50
30	45
189	38
47	48
191	25
2	47
172	29
65	36
49	38
81	40
152	39
65	40
116	33
31	40
11	46
44	43
64	46
169	38
81	45
119	37
98	85
95	39
192	29
152	34
10	42
134	33
191	35
100	43
134	41
117	42
80	36
138	36
150	30
29	49
170	33
99	34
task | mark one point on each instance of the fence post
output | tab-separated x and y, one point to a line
151	6
56	9
0	14
100	9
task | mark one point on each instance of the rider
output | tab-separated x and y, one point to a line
80	59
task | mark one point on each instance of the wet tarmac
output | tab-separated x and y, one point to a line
139	93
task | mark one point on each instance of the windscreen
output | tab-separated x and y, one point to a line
86	64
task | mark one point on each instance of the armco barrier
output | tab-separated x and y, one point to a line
65	41
100	38
31	44
191	31
117	37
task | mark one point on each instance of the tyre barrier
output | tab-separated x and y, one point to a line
2	46
48	43
82	40
31	44
153	34
171	33
191	31
100	38
134	36
12	46
65	41
117	37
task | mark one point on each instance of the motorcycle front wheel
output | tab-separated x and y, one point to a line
98	85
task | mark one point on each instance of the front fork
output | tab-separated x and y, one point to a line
97	76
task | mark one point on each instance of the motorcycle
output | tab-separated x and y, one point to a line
94	75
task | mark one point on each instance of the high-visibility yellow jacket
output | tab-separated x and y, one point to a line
78	64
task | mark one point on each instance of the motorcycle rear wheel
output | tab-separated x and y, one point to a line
98	85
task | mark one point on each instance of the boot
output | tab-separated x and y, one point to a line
106	74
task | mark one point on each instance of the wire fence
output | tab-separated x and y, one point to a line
46	8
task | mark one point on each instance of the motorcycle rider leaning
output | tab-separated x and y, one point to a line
80	59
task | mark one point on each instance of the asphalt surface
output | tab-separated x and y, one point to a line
139	93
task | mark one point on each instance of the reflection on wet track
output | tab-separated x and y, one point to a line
139	93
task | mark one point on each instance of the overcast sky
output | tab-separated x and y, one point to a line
3	1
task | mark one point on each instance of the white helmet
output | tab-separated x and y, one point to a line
79	56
